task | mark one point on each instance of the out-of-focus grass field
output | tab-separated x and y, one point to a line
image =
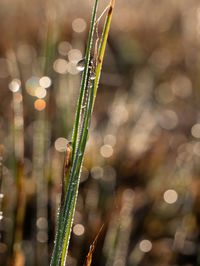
141	173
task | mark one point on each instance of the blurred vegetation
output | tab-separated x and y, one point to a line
140	175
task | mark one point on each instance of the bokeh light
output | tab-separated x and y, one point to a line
64	47
78	229
32	84
106	151
195	131
40	105
61	144
145	245
15	85
60	65
45	82
170	196
40	92
79	25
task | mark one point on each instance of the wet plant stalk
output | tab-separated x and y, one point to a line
80	133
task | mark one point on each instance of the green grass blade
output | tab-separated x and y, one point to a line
70	201
83	82
102	46
81	127
59	247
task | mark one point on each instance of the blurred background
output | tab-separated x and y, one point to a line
141	173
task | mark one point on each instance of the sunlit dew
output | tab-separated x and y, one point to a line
80	64
74	55
195	131
4	71
170	196
61	144
78	229
14	85
42	223
79	25
106	151
60	65
40	92
39	104
168	119
42	236
182	86
145	245
64	47
45	82
97	172
110	140
93	76
31	85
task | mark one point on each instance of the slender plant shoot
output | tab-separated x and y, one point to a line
74	159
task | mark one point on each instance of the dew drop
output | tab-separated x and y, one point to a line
92	76
81	64
1	215
90	84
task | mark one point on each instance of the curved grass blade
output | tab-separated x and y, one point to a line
88	259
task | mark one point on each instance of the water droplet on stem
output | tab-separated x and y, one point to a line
81	64
93	76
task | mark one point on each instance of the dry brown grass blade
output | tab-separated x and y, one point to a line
66	169
88	259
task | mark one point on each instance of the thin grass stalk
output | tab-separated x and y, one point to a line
66	214
85	127
58	246
70	204
86	123
83	82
